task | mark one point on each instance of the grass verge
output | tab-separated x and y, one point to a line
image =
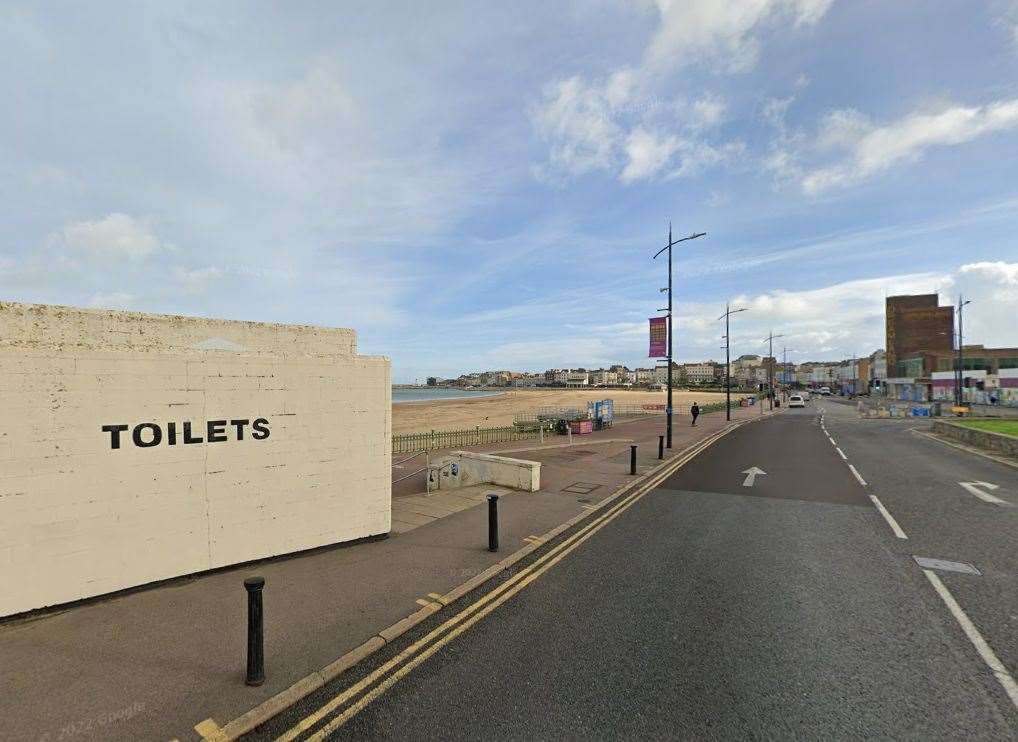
1007	427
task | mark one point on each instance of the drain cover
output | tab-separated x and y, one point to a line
946	566
580	488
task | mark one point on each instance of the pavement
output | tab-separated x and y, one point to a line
152	663
715	604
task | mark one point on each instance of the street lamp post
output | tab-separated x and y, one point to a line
959	375
728	359
770	367
668	247
784	362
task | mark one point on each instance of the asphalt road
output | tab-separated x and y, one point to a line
713	609
918	481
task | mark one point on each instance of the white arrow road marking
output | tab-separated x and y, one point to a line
973	489
751	475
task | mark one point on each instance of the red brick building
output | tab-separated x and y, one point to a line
916	324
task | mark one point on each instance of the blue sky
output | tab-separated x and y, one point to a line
478	187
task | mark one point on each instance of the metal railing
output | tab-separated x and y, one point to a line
440	439
399	464
527	426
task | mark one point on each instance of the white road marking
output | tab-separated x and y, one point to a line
833	442
973	488
841	453
888	517
751	475
1000	672
857	475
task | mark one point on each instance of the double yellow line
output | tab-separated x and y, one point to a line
388	674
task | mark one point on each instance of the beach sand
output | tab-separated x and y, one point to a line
487	412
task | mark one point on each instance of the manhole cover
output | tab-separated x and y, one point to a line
580	488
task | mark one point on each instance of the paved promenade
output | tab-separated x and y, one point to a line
153	663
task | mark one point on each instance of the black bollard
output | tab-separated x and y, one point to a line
492	522
632	459
660	446
255	631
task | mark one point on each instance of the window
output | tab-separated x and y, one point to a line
910	368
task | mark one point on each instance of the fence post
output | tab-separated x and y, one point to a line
660	446
427	473
478	433
432	438
632	459
541	429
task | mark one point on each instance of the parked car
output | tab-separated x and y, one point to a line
796	400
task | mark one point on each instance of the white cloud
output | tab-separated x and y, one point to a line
197	280
1007	19
709	111
616	123
839	319
867	150
647	152
993	289
577	121
723	34
115	300
114	236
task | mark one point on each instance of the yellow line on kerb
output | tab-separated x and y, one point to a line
209	730
481	607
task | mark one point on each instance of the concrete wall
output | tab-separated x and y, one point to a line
1005	444
80	517
466	468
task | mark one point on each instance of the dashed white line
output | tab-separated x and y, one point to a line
879	505
1000	672
888	517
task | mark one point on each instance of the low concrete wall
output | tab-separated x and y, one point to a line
465	468
1005	444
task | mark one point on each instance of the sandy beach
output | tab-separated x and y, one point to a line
458	414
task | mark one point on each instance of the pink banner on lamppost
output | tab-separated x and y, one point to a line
658	337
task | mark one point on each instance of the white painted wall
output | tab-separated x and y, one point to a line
79	519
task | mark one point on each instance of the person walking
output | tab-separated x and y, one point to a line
695	412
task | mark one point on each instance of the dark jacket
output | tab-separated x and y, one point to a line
694	410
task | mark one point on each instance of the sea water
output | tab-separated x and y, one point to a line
429	394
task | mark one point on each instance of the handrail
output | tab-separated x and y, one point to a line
408	458
412	474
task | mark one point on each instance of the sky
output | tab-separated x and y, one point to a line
482	186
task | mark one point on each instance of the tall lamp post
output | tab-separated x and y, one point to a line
784	362
668	247
728	359
961	365
770	367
